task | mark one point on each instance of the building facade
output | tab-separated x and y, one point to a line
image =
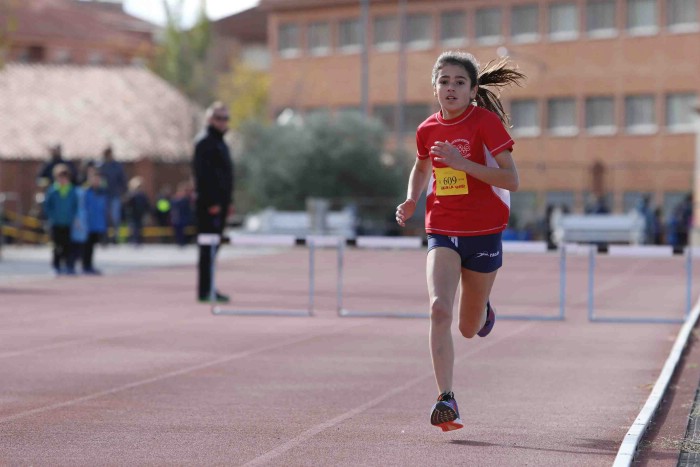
80	32
147	122
607	109
240	38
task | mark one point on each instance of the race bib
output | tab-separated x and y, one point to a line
451	182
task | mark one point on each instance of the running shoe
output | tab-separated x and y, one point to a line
490	320
445	414
219	298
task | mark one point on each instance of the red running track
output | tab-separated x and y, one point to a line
129	370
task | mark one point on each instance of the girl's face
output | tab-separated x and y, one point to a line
454	90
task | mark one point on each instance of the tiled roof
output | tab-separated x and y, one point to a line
248	26
86	108
50	19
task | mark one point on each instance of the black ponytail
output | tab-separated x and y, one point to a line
496	74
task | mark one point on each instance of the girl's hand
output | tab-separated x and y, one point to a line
404	211
447	154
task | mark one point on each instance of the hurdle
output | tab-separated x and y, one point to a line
214	241
374	242
371	242
645	251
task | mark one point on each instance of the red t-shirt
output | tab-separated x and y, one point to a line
478	134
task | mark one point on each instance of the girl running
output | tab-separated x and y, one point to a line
465	152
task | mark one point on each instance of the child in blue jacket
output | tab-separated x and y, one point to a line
96	211
61	208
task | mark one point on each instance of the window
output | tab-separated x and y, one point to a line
631	200
561	119
419	31
671	201
386	32
600	18
288	41
317	113
349	110
34	54
563	21
452	27
600	115
488	25
525	25
319	38
62	56
95	58
679	112
562	199
386	114
414	115
641	17
640	115
682	15
525	116
523	209
349	35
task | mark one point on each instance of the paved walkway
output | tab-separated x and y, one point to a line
127	369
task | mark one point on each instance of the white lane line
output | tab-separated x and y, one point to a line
86	340
630	443
311	432
171	374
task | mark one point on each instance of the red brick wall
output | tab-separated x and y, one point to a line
659	64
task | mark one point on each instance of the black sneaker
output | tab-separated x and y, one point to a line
219	298
445	413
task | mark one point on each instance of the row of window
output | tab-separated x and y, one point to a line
600	114
526	201
563	22
526	209
562	116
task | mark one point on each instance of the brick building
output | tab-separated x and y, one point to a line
149	124
95	32
607	108
241	37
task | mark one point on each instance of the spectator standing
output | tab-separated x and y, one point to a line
61	208
136	207
682	220
182	215
651	226
79	228
96	218
212	169
163	210
46	175
115	184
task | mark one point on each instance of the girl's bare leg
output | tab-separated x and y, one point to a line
475	289
443	273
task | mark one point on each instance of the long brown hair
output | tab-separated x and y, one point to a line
496	74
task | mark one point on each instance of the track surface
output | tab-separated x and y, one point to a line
126	369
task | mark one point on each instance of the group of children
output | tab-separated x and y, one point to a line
77	216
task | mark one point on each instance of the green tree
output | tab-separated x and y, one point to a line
180	57
334	158
244	90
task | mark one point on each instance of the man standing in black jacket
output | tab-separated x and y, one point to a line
212	168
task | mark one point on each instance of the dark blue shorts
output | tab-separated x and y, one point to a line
483	253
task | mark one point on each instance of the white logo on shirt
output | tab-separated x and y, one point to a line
463	146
